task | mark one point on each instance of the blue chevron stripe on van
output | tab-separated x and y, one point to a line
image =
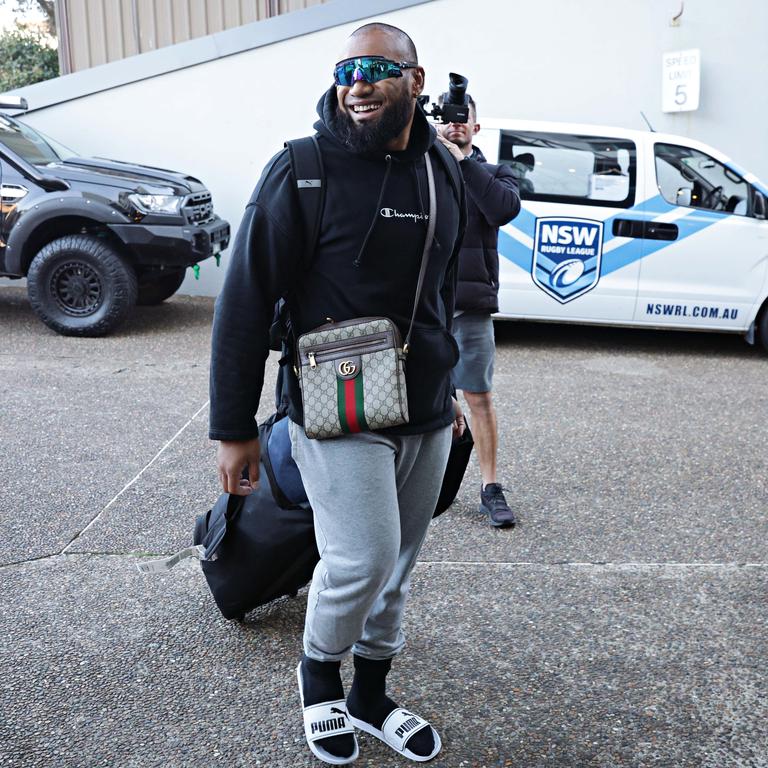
634	249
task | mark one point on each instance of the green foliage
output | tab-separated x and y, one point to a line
25	58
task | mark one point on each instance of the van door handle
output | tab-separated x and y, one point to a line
659	230
651	230
628	227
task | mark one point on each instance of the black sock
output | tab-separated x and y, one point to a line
368	701
321	681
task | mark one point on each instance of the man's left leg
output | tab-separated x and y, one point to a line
419	471
482	416
474	377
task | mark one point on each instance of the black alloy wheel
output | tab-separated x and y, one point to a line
76	288
80	285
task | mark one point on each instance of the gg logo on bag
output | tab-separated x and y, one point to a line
348	367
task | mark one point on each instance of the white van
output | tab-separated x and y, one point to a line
624	227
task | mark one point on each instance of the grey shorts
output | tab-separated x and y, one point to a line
474	335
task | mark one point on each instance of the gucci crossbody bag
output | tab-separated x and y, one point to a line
352	373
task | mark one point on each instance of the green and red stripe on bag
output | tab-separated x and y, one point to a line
352	377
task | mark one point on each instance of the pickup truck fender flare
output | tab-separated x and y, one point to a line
18	255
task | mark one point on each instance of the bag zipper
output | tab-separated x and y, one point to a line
332	350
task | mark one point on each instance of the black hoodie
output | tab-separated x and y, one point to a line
342	281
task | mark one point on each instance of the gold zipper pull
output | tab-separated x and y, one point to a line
312	361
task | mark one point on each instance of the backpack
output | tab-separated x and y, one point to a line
308	170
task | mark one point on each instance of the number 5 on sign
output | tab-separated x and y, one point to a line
681	79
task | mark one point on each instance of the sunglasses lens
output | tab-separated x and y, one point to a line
347	73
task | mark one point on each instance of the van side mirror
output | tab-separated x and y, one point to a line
14	102
759	207
683	196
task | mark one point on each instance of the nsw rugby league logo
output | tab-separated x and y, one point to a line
567	253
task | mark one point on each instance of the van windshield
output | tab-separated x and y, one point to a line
31	145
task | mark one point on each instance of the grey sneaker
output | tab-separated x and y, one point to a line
493	504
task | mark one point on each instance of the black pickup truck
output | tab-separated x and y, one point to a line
92	236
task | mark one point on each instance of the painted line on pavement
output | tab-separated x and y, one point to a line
128	485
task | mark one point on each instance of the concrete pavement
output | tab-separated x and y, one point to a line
623	623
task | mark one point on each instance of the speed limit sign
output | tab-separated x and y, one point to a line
681	79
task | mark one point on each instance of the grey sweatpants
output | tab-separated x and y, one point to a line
373	497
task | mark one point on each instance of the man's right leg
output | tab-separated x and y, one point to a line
482	416
350	483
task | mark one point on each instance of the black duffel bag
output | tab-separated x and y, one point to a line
256	548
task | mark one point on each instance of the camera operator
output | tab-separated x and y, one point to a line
492	200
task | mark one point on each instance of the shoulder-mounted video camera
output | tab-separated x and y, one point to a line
455	106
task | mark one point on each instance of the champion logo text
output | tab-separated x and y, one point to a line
393	213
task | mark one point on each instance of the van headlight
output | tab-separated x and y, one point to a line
147	203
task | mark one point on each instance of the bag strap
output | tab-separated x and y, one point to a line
166	563
452	168
427	247
308	170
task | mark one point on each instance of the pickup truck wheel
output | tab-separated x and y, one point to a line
79	285
156	288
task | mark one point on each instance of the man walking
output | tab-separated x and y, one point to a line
492	200
372	493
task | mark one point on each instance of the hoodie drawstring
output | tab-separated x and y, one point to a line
359	256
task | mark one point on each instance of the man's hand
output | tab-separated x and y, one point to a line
459	424
231	457
451	147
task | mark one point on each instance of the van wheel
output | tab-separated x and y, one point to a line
762	326
155	288
80	285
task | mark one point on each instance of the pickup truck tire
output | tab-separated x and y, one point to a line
159	287
80	285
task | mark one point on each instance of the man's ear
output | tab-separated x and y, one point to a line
476	129
417	81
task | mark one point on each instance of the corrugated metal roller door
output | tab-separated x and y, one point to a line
94	32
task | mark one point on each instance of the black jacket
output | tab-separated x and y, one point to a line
492	200
265	264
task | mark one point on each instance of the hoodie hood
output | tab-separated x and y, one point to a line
422	133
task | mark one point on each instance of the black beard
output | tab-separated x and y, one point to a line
363	139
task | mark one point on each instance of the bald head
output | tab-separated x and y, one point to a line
380	37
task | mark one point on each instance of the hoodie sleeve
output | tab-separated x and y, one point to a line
263	263
493	189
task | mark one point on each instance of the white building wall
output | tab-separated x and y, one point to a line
598	61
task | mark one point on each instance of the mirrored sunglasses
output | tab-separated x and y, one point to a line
368	68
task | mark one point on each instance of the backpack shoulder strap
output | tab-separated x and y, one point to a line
307	167
452	167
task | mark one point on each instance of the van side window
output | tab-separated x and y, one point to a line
565	168
693	179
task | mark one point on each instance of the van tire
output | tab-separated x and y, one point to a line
155	289
762	326
80	285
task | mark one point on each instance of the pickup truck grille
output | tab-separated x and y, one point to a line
198	208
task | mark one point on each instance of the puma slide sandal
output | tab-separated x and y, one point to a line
397	730
324	720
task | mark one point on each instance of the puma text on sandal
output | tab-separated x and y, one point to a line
324	720
397	730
